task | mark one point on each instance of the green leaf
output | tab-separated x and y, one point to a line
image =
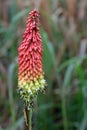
49	59
19	15
10	89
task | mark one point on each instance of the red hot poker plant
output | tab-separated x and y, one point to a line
30	69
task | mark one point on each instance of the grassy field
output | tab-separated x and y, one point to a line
64	34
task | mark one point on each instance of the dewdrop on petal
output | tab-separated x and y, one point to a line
30	68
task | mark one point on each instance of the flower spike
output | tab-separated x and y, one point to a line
30	68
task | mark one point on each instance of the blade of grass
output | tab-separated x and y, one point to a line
19	15
75	60
67	80
83	124
10	90
49	57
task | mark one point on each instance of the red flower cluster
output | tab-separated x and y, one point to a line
30	71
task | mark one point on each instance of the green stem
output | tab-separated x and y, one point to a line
28	117
64	113
10	91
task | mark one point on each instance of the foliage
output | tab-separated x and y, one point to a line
63	31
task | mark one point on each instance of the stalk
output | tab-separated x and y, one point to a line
28	118
64	113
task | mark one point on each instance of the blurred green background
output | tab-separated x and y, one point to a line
64	34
